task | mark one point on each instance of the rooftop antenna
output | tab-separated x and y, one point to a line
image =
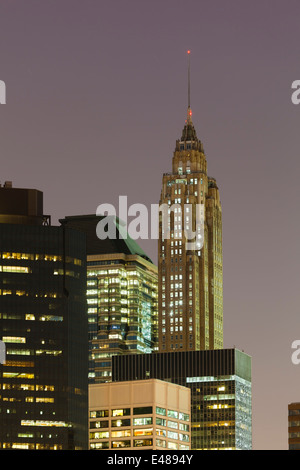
189	111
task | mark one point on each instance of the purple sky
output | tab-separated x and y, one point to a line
96	98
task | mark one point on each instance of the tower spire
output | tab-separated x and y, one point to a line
189	111
189	132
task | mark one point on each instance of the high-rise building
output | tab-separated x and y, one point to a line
43	324
142	414
221	391
122	286
294	426
190	251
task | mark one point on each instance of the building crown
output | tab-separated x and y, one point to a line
188	132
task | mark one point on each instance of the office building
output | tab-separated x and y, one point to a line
190	261
143	414
43	325
221	391
294	426
122	290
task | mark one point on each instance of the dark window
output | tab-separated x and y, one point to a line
146	410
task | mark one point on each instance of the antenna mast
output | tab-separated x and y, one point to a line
189	111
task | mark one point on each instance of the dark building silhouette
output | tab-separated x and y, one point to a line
43	324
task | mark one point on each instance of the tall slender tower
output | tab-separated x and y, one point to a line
190	269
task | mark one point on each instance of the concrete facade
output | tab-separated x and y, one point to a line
142	414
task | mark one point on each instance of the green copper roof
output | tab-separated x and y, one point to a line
122	243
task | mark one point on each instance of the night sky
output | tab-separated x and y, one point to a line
96	98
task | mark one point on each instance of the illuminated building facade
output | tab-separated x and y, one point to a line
294	426
143	414
122	290
43	324
190	263
221	391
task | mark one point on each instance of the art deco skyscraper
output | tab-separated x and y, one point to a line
190	269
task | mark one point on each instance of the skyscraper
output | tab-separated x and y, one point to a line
190	250
43	324
121	296
190	265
